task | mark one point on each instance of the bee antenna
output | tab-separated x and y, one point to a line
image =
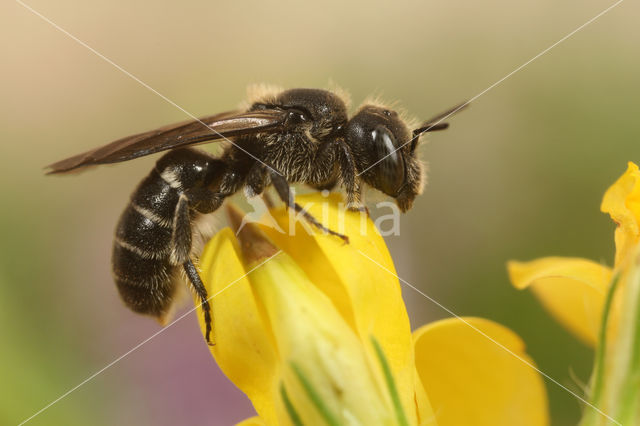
433	124
429	128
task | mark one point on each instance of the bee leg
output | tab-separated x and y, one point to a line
256	180
286	195
181	248
196	282
337	151
181	232
256	183
350	180
201	200
205	201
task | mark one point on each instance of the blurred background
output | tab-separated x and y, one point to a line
519	175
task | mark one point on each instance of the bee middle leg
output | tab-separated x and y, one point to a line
257	183
337	152
286	195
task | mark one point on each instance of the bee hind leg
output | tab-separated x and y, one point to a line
201	291
286	195
181	246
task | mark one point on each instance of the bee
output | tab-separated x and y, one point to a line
282	137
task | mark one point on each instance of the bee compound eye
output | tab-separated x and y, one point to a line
390	161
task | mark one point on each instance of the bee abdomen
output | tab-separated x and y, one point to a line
140	232
156	198
145	284
141	260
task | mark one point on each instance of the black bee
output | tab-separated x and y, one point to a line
297	135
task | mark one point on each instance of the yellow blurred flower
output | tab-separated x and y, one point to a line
314	332
574	290
601	305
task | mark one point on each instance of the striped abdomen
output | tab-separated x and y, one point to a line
141	252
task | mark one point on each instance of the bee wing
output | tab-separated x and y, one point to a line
212	128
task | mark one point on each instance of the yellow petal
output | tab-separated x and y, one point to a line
573	290
424	411
622	202
252	421
243	348
358	278
314	342
471	380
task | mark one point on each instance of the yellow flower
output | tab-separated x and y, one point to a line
475	372
315	331
574	290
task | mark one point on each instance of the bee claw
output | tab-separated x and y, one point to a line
343	237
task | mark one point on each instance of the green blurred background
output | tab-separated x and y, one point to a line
519	175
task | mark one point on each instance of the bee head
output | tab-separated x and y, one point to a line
384	150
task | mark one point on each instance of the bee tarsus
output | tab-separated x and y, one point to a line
201	291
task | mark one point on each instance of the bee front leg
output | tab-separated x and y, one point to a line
286	195
350	179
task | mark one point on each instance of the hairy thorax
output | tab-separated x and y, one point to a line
292	155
